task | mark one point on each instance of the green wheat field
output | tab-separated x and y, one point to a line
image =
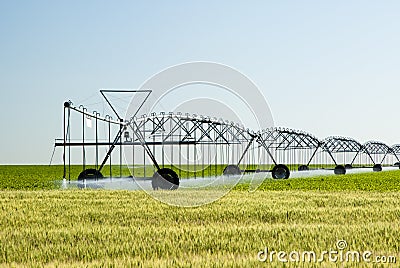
45	226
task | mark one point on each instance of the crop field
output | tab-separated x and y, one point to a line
43	226
31	177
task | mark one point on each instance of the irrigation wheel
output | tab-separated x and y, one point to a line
165	179
88	174
232	170
377	168
340	170
303	168
348	166
280	172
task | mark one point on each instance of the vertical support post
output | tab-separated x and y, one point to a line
172	146
187	161
69	146
65	142
144	151
109	142
202	159
120	148
180	151
195	154
209	152
133	152
97	141
83	138
154	138
161	125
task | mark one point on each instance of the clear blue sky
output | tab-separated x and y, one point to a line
327	67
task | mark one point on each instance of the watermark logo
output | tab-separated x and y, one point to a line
341	244
342	254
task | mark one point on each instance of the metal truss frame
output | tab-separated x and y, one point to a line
178	129
278	138
338	144
380	148
185	129
396	149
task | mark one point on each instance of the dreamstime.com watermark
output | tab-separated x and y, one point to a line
340	254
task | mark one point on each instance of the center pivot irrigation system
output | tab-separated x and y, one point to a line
166	147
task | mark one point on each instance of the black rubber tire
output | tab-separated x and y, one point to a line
90	174
397	164
303	168
348	166
232	170
165	179
280	172
340	170
377	168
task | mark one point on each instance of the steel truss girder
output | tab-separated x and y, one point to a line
288	139
380	148
190	128
282	139
336	144
342	145
396	149
376	147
